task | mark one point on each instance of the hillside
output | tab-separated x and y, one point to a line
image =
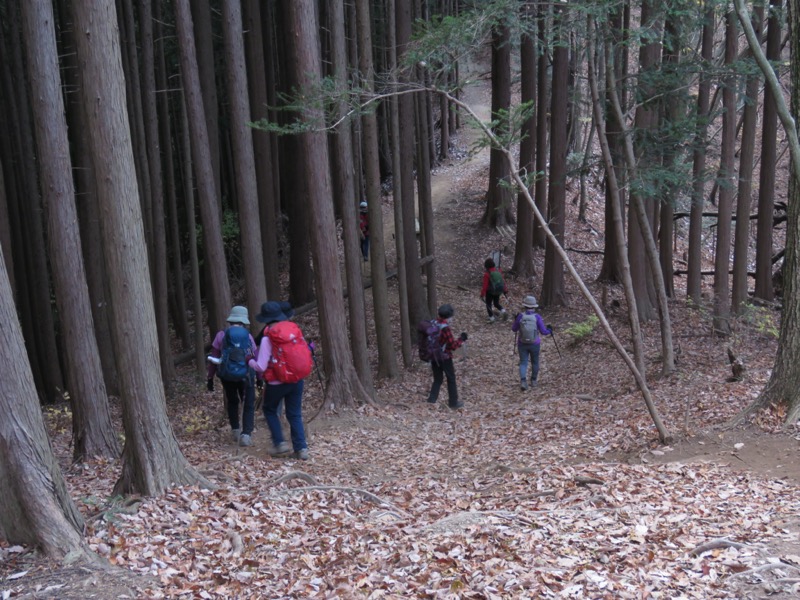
562	491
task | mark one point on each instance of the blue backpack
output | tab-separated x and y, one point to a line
236	351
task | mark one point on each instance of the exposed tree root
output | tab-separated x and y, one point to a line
716	544
340	488
309	479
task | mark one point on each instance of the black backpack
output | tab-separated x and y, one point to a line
430	348
236	351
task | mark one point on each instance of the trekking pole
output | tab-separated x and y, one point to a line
316	366
553	337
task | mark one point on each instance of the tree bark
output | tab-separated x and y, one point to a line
243	157
542	96
343	385
93	433
202	159
727	167
151	459
35	506
387	357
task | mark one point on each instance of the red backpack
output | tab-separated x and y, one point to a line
291	358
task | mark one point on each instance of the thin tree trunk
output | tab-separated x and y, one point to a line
202	159
542	96
722	255
694	266
387	358
424	198
343	163
243	157
766	179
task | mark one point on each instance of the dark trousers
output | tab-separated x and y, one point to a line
292	396
365	247
240	392
492	299
446	369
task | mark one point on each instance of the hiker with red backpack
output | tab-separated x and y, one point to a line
363	229
439	347
528	326
231	349
284	360
494	285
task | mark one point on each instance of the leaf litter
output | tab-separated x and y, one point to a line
558	492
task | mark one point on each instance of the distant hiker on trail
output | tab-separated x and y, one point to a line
493	287
528	325
231	349
440	354
363	226
284	359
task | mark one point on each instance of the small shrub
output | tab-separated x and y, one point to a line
582	330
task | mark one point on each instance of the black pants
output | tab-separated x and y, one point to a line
446	369
240	392
490	300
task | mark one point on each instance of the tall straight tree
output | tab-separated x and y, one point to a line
158	238
387	358
343	384
151	459
243	156
553	277
498	197
93	433
345	180
745	186
416	298
694	277
727	167
523	245
204	170
35	506
766	176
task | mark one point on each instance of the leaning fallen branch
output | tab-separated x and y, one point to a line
663	434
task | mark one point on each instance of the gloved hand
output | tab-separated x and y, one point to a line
551	328
210	384
463	336
259	384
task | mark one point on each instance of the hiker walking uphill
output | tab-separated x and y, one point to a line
528	326
284	360
231	349
439	347
493	287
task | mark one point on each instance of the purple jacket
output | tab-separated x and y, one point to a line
216	350
539	325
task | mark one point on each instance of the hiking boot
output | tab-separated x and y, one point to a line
534	383
457	405
504	314
235	433
523	385
301	454
282	448
245	440
431	401
490	319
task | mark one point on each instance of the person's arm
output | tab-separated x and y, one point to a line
542	327
517	321
448	341
216	352
261	362
485	286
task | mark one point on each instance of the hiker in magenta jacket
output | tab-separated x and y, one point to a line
275	391
489	296
235	392
529	348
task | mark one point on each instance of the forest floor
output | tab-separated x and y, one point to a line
563	491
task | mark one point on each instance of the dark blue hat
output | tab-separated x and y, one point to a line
274	311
